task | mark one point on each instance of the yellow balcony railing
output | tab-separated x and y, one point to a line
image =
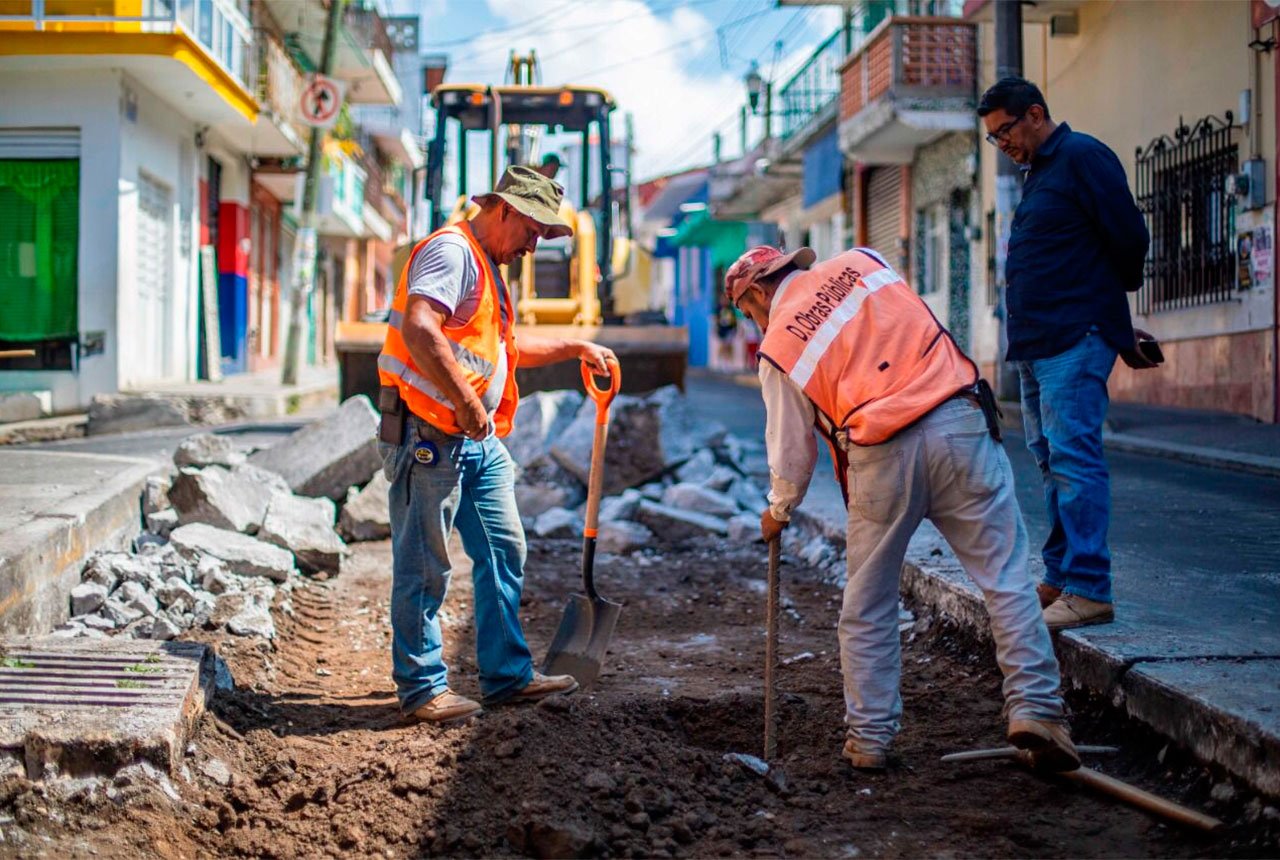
218	26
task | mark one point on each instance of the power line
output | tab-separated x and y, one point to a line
557	28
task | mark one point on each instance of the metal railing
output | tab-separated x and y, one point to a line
219	26
1182	190
911	58
813	87
369	28
279	81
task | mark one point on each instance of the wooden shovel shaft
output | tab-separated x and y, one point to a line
1144	800
771	656
17	353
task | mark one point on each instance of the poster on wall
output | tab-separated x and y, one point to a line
1244	259
1263	254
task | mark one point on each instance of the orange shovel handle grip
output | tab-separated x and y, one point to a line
602	396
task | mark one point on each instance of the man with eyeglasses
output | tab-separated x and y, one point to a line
1076	246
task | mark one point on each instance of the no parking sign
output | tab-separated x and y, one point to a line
320	102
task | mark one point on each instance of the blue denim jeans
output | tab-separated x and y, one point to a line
471	485
1064	402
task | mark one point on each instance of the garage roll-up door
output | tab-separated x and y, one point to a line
883	211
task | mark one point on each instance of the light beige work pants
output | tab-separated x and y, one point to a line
948	468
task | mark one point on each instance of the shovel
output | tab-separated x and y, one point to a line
589	619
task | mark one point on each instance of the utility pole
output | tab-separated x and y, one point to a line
304	249
1008	187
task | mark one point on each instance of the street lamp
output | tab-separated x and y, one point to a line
755	85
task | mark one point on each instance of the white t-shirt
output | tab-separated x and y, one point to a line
445	273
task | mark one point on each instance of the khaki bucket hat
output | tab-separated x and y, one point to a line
532	195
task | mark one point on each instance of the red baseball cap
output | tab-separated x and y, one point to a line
760	262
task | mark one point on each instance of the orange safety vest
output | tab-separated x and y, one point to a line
863	347
477	345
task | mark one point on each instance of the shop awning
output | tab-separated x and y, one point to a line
725	239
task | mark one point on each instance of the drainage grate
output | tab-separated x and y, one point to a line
94	704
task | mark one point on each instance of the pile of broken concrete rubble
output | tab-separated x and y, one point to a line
230	527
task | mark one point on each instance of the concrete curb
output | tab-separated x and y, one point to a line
1217	458
41	555
44	429
1163	694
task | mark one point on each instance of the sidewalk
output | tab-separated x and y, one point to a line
1220	439
1195	650
245	396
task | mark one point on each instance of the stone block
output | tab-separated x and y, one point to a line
117	613
749	496
623	537
234	499
87	597
19	406
540	419
245	614
698	468
695	497
621	507
155	495
136	596
674	524
328	456
176	593
164	629
365	515
242	555
304	526
208	449
162	523
558	523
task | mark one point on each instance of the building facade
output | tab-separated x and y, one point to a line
135	140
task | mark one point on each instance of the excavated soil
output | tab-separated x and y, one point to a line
308	756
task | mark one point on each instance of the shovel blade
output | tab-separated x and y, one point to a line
583	638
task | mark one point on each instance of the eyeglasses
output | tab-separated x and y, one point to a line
1001	135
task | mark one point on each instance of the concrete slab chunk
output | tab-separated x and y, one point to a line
84	707
539	420
673	524
366	515
208	449
243	555
235	499
330	455
623	537
305	527
695	497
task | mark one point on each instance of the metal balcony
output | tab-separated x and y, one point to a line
279	86
911	82
809	99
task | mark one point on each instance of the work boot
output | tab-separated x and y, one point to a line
1049	743
1047	594
1072	610
446	707
867	762
542	686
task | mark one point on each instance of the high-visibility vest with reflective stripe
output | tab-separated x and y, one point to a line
477	345
863	346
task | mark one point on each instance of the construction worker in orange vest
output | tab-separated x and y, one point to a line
447	371
850	350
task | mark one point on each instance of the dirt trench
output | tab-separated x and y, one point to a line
308	756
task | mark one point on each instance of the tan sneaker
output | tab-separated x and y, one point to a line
446	707
542	686
1072	610
1047	594
1048	742
870	762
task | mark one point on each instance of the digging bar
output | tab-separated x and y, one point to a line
771	655
587	626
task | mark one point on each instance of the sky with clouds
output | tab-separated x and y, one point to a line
675	65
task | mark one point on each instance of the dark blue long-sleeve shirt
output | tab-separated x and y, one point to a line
1076	243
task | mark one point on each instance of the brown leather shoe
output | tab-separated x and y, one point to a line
1048	742
1072	610
1047	594
868	762
542	686
446	707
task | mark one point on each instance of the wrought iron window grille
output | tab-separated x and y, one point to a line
1183	191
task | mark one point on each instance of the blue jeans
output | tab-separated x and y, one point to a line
471	485
1064	402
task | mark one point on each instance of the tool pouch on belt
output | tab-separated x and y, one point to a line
990	411
391	430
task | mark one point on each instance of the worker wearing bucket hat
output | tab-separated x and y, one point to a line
447	371
850	350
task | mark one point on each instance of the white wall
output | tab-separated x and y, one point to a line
90	101
155	140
